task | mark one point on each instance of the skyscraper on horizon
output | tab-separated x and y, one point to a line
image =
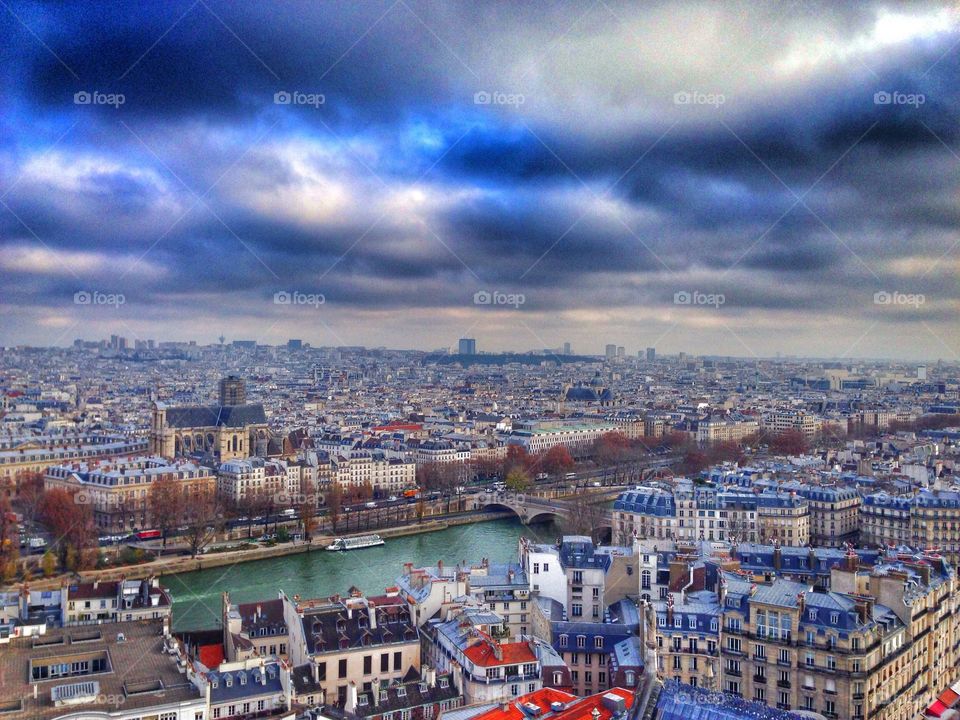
468	346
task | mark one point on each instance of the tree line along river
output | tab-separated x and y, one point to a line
196	595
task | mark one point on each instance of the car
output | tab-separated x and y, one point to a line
370	504
392	498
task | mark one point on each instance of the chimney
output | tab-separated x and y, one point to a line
375	692
373	615
440	567
777	562
259	612
351	704
316	673
431	676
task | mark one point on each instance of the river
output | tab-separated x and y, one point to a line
196	595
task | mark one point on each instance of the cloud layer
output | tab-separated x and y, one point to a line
200	157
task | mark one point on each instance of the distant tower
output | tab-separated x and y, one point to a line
467	346
233	391
651	354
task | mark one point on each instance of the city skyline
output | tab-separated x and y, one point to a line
732	181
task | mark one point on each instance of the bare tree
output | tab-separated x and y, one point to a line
165	502
202	518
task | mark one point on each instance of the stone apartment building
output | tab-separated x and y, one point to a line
366	641
881	644
118	491
834	513
929	518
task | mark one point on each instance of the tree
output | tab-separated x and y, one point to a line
307	509
517	457
69	517
202	518
334	504
556	460
29	493
9	536
585	516
165	503
49	564
693	462
517	480
789	442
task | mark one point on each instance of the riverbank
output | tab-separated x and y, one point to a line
175	565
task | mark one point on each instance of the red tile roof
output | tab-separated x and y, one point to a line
482	653
211	655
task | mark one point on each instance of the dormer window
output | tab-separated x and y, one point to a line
444	683
243	679
423	687
401	691
383	696
229	681
812	614
362	700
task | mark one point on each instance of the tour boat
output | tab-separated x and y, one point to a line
355	543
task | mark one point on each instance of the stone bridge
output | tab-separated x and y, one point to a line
532	508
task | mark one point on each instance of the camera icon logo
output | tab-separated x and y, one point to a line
282	297
682	297
882	297
482	297
82	297
481	98
282	97
82	98
882	98
682	98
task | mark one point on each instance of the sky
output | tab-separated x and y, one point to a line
715	178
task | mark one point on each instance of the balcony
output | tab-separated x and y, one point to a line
858	696
785	684
783	706
732	673
760	679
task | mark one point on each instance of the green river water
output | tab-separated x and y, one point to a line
196	595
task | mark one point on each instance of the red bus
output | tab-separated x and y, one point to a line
148	535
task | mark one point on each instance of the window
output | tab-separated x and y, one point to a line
645	580
598	642
581	641
367	664
564	639
578	577
536	568
322	670
577	610
397	660
342	669
385	662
